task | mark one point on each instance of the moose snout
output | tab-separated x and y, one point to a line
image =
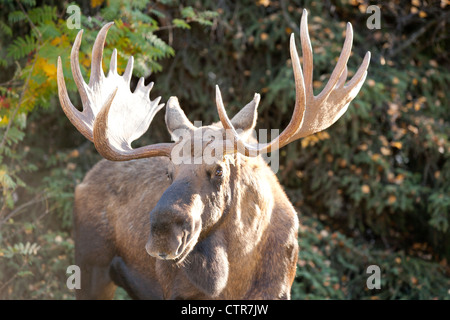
167	240
165	250
164	246
174	223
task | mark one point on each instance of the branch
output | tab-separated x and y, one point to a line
33	26
286	16
413	38
38	198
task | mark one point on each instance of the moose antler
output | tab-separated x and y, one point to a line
113	116
311	113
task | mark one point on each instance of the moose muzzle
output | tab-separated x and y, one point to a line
175	223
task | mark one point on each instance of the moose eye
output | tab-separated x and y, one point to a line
169	176
219	172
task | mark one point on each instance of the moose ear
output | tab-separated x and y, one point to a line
245	120
176	121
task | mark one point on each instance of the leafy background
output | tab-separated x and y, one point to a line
374	189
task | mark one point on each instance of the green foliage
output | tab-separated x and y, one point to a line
21	47
334	266
374	189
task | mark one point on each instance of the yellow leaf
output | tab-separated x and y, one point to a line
362	8
3	121
48	68
365	189
422	14
74	154
314	138
363	147
385	151
96	3
399	178
392	199
413	129
55	41
323	135
264	3
383	140
85	61
396	144
317	84
375	157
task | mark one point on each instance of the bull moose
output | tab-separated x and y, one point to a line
165	229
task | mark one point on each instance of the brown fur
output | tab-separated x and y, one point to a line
246	247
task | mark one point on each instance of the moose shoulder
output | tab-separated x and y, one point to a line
216	225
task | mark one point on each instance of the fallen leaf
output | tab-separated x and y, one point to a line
396	144
365	189
392	199
385	151
264	36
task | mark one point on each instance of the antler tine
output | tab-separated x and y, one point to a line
113	62
97	55
77	76
342	79
300	97
340	66
307	53
311	113
128	70
361	74
79	119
